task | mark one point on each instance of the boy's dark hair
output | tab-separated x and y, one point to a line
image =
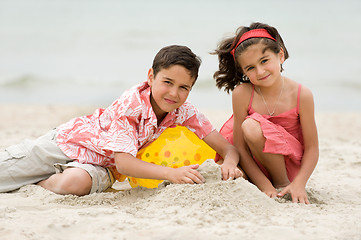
177	55
230	74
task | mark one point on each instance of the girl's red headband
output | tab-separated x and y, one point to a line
255	33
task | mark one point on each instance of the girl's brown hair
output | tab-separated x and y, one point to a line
230	74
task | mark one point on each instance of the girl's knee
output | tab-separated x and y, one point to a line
252	131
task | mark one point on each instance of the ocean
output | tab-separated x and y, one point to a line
87	52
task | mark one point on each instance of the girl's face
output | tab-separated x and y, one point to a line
169	89
261	65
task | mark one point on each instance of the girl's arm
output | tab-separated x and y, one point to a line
129	165
228	152
311	151
240	100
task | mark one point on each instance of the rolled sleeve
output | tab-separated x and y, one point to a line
122	136
199	124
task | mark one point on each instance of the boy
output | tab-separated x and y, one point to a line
83	148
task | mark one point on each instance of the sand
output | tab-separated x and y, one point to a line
214	210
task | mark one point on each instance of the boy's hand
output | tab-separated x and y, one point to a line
186	174
230	172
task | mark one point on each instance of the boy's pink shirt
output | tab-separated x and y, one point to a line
126	126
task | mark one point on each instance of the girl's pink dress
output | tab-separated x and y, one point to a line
283	135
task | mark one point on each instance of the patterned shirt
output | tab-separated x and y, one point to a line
126	126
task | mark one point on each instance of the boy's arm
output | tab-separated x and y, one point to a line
129	165
228	152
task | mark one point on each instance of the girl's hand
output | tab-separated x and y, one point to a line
270	192
186	174
298	193
229	171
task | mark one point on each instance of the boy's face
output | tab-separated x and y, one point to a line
169	89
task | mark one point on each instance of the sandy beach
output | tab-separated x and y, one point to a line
214	210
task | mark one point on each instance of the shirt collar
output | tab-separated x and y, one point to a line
147	110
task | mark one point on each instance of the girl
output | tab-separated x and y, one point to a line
273	125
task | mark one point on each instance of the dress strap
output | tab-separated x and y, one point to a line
298	98
251	100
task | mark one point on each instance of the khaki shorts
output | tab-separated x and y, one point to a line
36	160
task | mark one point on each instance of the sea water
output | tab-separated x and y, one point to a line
88	52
